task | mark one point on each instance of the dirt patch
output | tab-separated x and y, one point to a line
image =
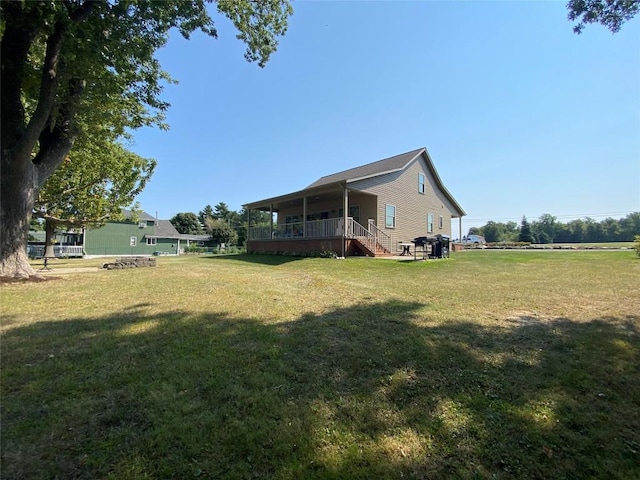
71	270
31	279
527	318
48	275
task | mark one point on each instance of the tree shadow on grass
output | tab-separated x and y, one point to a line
256	258
371	391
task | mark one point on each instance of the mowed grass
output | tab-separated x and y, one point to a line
492	364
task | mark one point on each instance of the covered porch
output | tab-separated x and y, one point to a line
330	218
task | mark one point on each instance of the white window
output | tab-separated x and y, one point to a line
390	216
152	241
133	241
421	183
430	222
440	222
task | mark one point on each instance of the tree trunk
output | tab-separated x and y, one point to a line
50	232
17	193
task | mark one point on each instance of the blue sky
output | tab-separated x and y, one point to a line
520	115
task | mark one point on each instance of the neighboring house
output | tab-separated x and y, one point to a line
382	204
146	236
65	244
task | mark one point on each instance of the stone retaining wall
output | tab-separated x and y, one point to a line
130	262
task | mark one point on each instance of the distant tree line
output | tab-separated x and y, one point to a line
547	229
220	223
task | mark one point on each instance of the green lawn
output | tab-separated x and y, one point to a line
492	364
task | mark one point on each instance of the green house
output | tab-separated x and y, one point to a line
146	236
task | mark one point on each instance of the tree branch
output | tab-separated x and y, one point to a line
81	13
56	141
71	222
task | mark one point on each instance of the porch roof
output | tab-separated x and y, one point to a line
317	194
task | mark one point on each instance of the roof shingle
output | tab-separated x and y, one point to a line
386	165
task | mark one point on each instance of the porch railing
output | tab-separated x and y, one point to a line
331	227
372	237
37	251
381	238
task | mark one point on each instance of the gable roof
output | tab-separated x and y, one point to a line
385	166
381	167
142	215
165	229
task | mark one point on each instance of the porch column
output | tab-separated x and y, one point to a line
304	217
345	216
460	229
271	221
248	228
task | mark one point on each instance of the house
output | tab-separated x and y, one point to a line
146	236
382	204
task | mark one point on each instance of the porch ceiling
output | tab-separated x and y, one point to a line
330	193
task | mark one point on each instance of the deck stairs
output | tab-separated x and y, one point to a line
372	241
371	250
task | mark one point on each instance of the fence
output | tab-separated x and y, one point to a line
60	251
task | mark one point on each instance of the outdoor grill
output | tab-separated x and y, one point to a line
432	247
420	241
424	243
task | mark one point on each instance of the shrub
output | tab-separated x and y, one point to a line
636	245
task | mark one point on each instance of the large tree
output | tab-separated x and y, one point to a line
220	231
525	231
68	66
545	228
206	212
186	223
92	185
221	211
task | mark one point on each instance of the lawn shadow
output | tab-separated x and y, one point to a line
255	258
369	391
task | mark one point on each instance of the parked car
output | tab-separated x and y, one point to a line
474	240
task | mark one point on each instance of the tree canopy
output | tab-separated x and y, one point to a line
94	183
187	223
525	231
206	212
220	231
548	229
610	13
